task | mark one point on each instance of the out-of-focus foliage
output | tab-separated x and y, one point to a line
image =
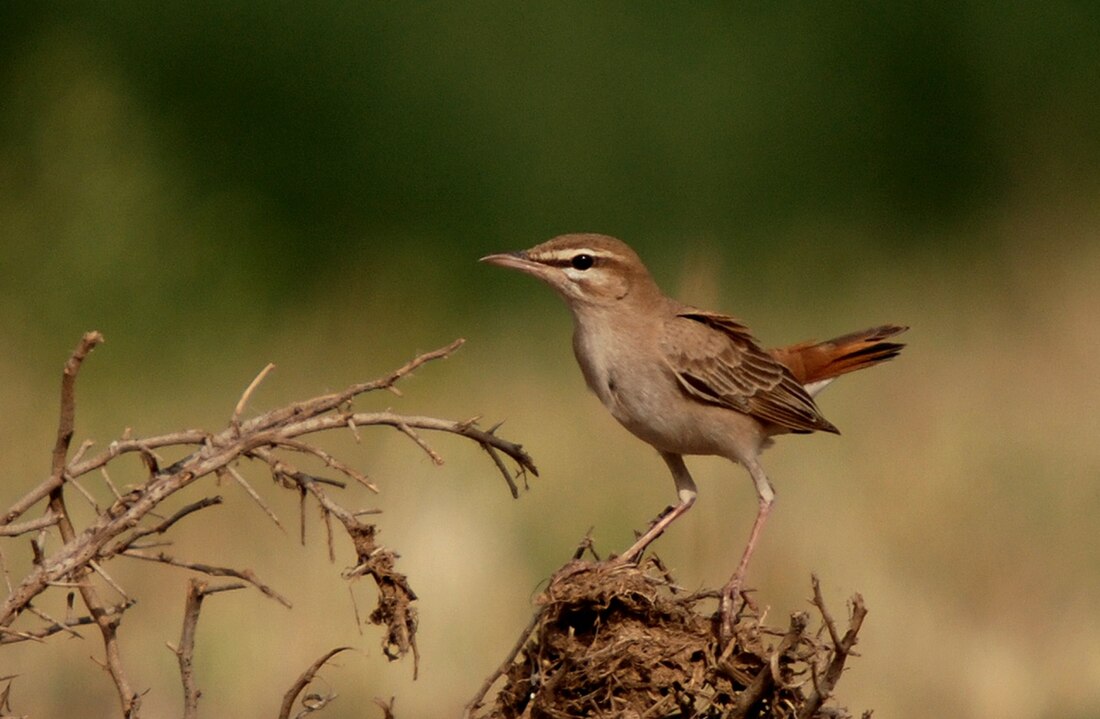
217	185
248	148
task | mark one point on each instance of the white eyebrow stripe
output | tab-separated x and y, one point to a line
563	257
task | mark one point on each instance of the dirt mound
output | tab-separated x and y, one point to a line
624	641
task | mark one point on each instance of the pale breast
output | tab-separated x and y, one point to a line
641	391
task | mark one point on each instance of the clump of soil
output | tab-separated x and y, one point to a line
624	641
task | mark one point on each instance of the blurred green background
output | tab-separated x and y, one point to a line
215	186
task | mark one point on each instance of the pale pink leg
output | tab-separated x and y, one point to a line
766	496
685	490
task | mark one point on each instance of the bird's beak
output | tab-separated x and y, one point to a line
516	261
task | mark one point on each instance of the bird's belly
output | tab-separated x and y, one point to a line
659	413
645	397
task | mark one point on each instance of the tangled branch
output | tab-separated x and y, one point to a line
119	529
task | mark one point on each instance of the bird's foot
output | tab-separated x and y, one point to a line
727	608
664	513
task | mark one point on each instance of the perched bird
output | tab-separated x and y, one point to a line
685	380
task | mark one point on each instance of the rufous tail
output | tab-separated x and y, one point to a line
812	362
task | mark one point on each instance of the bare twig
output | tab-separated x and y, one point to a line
5	696
239	479
239	409
17	636
245	574
408	431
108	625
95	567
224	448
163	526
842	648
387	707
63	626
326	516
768	675
118	529
4	571
503	469
82	449
14	530
475	703
78	468
363	419
85	493
106	480
395	596
10	636
303	681
68	406
331	461
197	590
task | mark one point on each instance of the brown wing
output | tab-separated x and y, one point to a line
716	360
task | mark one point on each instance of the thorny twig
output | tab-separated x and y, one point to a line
117	529
395	596
11	636
197	590
107	623
768	675
474	704
842	648
303	681
246	575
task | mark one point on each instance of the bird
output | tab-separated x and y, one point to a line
689	381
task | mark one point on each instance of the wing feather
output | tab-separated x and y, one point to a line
716	360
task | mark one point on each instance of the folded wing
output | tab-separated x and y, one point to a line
716	360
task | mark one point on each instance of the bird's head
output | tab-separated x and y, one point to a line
585	269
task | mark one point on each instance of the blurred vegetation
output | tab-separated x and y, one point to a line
194	155
216	185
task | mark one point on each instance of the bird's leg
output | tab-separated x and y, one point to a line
685	491
766	496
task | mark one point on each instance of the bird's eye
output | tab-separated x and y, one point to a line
581	261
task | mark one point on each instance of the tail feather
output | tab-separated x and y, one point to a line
819	362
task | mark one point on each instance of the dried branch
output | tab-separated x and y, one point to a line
68	406
303	681
474	704
118	529
239	479
386	707
65	426
245	574
432	454
10	636
108	624
218	451
243	401
14	530
5	697
331	461
395	596
768	675
81	467
162	527
53	622
197	590
842	648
